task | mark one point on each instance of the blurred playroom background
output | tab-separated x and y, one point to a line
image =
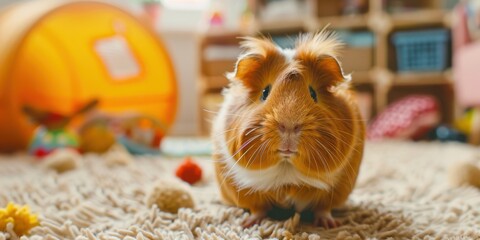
93	72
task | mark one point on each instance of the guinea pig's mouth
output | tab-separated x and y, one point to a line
287	153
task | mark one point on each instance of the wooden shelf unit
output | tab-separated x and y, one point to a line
422	79
348	21
382	80
282	26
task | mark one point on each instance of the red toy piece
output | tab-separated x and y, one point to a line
189	171
41	152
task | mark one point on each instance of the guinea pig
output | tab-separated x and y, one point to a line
289	132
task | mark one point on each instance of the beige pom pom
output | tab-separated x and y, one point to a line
464	174
118	155
62	160
169	195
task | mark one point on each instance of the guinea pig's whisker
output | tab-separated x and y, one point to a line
246	143
236	162
349	134
325	164
265	148
253	155
330	133
340	139
321	159
333	147
225	131
263	145
243	155
242	147
325	148
316	152
227	142
250	191
342	119
343	156
251	130
230	140
309	161
251	100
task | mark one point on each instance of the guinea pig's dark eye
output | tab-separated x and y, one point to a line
265	93
313	94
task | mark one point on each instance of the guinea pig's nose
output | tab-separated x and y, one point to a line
295	128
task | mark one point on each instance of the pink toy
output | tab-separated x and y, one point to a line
465	65
407	118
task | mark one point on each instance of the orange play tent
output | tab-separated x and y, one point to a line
57	55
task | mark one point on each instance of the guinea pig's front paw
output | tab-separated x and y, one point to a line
323	218
254	218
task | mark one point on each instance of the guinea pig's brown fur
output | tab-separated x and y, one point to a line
289	132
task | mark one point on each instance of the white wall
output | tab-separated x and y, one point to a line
4	3
183	50
179	30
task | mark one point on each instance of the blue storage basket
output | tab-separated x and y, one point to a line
426	50
356	39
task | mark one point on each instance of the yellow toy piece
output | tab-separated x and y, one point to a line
95	136
464	123
20	217
57	55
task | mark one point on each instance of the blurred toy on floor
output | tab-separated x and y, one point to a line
468	124
62	160
53	131
445	133
96	136
464	173
141	134
17	220
189	171
138	133
170	195
408	118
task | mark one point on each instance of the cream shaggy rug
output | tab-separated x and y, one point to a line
402	193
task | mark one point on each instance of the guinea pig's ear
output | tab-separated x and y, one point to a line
247	69
317	52
329	73
260	59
